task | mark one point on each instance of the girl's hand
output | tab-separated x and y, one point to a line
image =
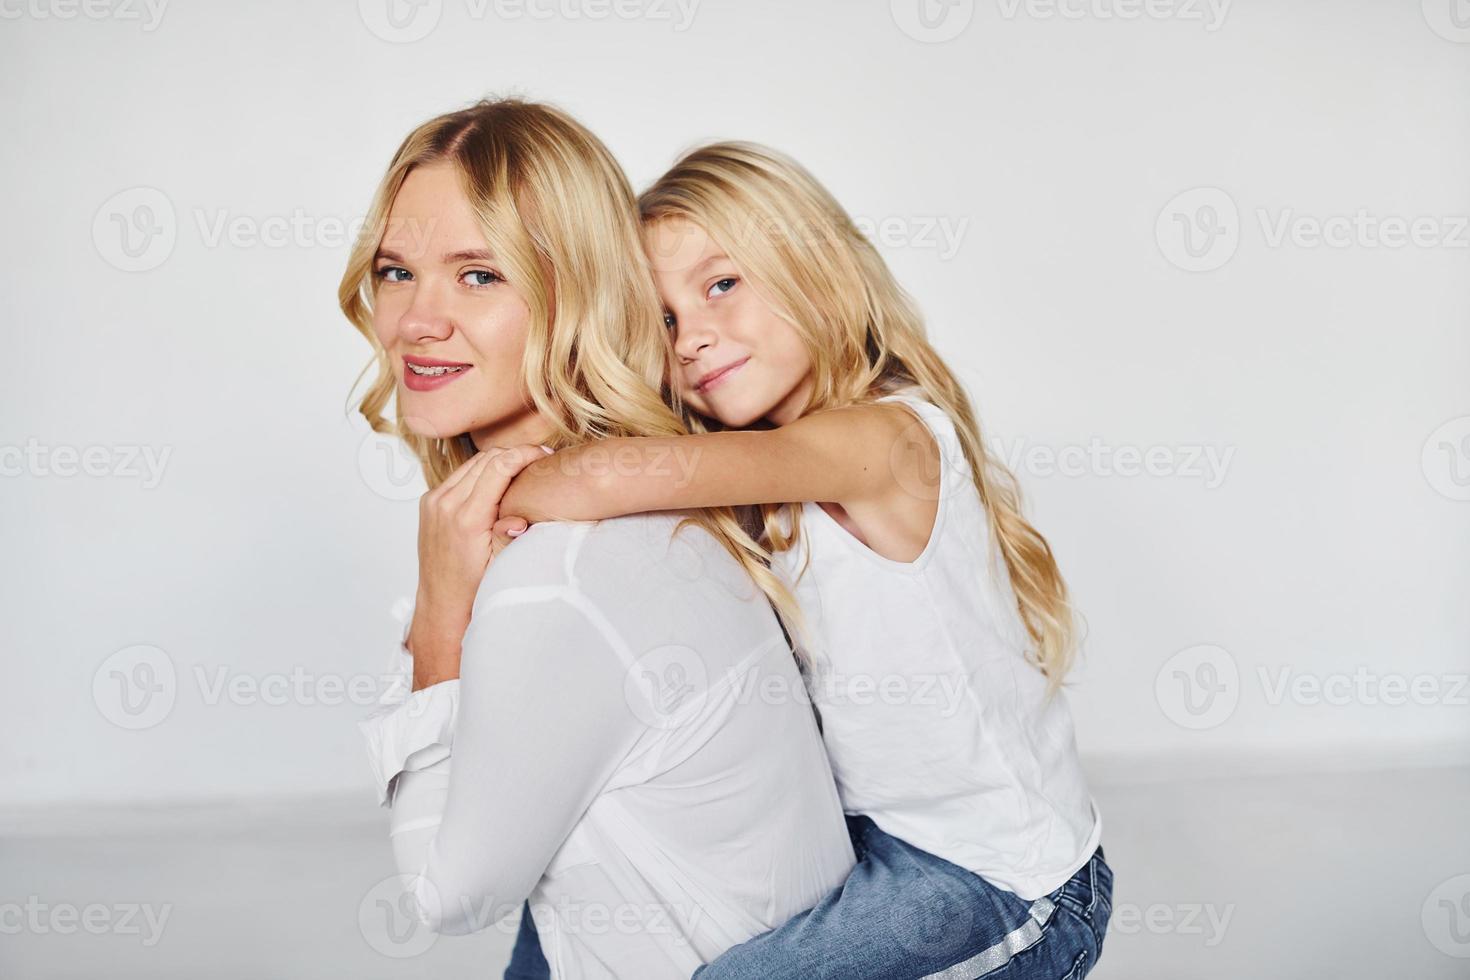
460	533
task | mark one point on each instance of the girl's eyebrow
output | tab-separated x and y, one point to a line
700	267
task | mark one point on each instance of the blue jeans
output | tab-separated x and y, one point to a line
904	914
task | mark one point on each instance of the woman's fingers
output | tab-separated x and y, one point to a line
446	496
482	506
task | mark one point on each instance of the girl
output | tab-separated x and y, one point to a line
933	626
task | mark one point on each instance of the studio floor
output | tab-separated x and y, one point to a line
1361	875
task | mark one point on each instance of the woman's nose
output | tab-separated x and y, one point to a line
426	319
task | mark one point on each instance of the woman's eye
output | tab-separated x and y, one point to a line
669	321
481	277
722	287
389	273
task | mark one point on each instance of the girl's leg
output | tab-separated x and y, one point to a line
526	960
905	914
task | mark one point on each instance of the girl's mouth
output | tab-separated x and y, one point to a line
714	378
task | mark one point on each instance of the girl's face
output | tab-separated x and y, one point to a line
454	330
737	361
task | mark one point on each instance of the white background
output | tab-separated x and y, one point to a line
1049	149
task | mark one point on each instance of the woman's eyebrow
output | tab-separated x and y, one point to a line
466	255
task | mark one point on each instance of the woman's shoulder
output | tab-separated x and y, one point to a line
636	553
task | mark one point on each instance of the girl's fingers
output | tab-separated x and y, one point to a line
511	527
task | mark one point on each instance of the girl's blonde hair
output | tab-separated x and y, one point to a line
865	337
560	216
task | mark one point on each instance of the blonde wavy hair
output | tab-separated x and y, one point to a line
866	339
559	214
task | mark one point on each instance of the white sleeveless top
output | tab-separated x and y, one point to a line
934	721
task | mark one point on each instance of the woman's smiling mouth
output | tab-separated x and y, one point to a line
428	373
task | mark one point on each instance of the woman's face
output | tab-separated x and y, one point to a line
737	361
454	330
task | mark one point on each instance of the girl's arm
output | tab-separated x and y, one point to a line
846	456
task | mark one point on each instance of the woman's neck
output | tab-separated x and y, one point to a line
530	428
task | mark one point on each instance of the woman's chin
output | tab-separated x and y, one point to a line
433	425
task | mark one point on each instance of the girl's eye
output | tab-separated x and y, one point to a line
389	273
722	286
669	321
481	277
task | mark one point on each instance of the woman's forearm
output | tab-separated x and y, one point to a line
435	639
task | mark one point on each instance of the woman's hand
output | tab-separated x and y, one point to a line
460	533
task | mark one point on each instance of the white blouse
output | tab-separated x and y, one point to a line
935	724
625	746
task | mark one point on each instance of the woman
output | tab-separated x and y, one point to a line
588	745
